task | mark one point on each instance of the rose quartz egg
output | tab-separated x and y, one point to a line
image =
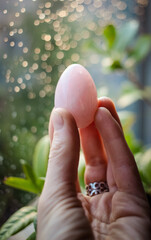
77	93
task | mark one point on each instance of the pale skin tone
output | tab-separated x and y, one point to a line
64	212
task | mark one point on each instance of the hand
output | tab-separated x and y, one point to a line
122	213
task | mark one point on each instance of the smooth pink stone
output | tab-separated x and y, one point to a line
77	93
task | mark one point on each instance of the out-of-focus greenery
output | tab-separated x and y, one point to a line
121	50
29	73
18	221
35	174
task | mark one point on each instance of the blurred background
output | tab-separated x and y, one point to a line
38	40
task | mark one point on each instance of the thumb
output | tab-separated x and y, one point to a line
60	213
64	154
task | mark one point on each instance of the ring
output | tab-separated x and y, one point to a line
96	188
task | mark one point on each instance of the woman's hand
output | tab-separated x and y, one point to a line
64	212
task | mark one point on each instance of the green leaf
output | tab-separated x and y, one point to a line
147	92
21	183
125	35
110	34
91	45
32	236
35	223
18	221
116	64
133	143
144	164
129	98
40	158
141	48
28	171
81	171
110	64
138	156
127	119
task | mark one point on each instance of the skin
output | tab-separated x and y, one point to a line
63	211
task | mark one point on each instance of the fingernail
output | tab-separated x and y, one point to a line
57	120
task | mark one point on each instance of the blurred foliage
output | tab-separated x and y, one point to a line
130	94
40	157
121	50
35	174
18	221
143	160
29	71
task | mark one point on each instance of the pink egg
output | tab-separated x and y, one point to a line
77	93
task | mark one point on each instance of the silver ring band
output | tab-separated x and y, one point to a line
96	188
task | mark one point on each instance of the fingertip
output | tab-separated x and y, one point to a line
59	117
55	122
106	124
102	115
65	114
107	103
63	123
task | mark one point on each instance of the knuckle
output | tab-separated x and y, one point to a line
61	146
56	150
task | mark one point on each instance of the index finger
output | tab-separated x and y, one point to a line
123	165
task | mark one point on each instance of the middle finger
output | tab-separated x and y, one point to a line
95	156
